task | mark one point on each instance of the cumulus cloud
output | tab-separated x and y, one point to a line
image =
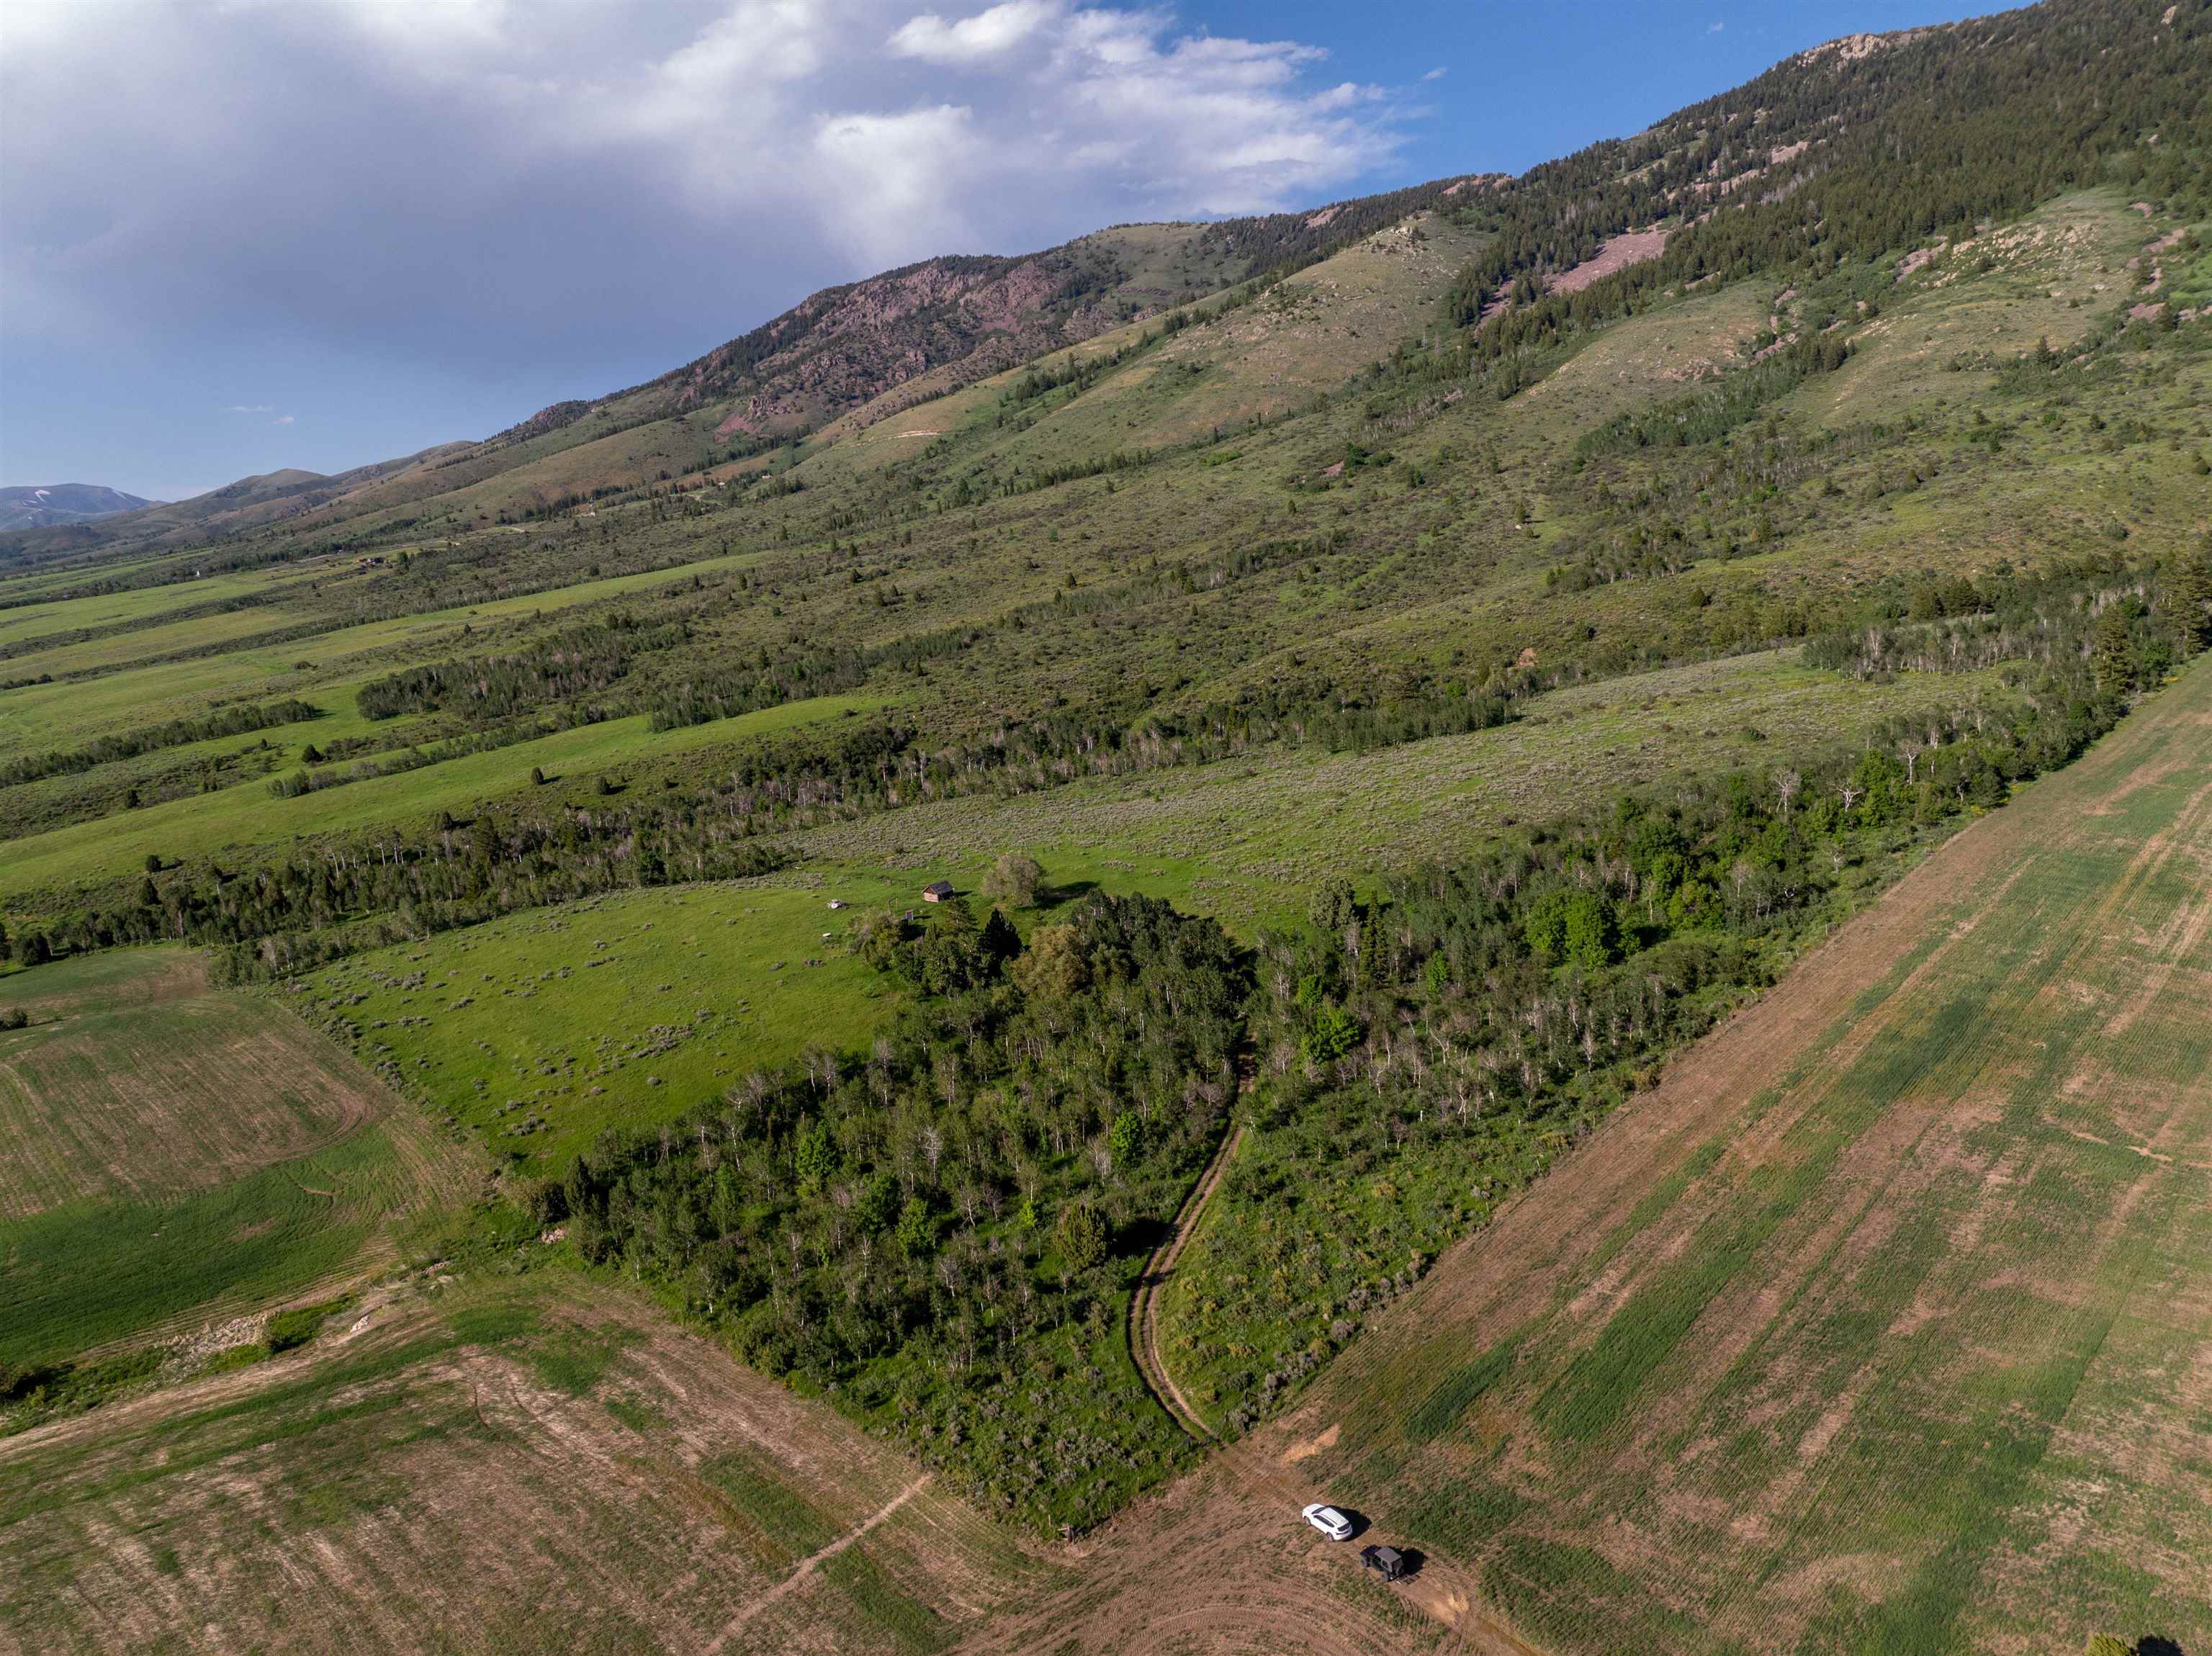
489	184
970	39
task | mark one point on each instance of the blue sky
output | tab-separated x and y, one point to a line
281	233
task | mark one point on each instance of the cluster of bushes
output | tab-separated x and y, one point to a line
2132	623
769	680
941	1233
397	762
1708	415
583	662
224	721
1427	1050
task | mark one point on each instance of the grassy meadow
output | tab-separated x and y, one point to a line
530	1034
1248	840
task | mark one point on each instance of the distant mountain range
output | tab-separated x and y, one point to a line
45	505
1840	154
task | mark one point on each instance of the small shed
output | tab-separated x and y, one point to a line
1387	1560
937	891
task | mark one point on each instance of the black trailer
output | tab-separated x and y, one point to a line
1389	1560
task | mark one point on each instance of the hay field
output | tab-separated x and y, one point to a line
1881	1325
511	1466
171	1154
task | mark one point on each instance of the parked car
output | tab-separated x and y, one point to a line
1330	1522
1387	1560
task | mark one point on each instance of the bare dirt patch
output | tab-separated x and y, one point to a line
1632	247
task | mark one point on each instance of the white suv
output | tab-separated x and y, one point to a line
1330	1522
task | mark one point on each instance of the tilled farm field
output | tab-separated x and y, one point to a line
1883	1323
537	1466
171	1153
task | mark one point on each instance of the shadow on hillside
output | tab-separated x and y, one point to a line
1142	1235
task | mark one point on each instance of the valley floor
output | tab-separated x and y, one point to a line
1878	1324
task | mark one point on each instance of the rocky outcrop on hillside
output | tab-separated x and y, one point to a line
845	346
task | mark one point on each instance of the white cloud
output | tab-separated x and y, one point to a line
885	174
249	408
1435	74
1717	29
282	419
970	39
482	183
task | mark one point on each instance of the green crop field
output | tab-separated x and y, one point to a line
245	816
24	626
174	1153
1873	1328
44	715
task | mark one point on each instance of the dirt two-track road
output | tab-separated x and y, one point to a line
1988	1099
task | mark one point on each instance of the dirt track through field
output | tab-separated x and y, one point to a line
813	1563
1144	1304
1931	1225
1955	1152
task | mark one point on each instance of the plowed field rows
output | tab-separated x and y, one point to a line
532	1466
171	1154
1884	1323
117	1093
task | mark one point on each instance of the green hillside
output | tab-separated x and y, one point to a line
1383	682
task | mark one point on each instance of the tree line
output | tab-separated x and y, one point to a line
938	1233
1427	1047
236	720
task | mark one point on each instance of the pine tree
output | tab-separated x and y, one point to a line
2192	599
